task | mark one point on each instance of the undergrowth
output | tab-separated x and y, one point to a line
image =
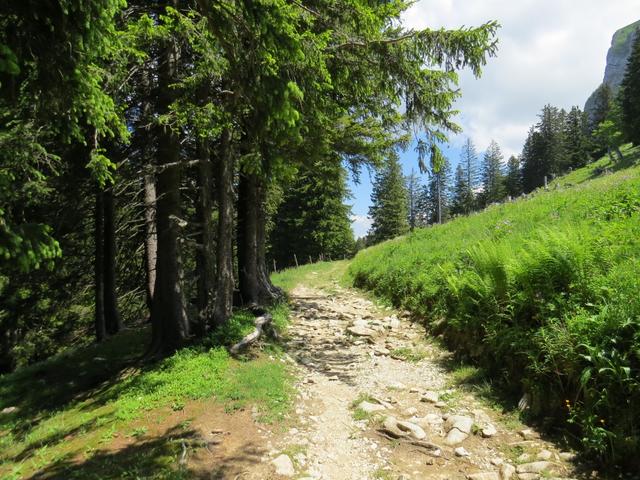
542	294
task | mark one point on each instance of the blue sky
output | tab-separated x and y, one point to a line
550	51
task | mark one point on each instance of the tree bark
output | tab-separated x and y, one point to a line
224	259
113	320
99	316
151	239
255	285
170	326
269	293
248	239
149	184
205	258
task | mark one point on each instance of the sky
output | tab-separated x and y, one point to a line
549	51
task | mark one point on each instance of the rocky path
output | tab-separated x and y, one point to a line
375	402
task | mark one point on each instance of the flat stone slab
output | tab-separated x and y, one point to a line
534	467
414	430
361	331
369	407
484	476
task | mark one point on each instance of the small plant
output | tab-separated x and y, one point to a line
382	474
359	414
413	355
362	397
139	432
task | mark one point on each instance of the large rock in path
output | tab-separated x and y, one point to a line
284	466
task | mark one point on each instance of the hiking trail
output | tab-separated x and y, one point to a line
375	400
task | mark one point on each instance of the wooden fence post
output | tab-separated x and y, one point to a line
296	260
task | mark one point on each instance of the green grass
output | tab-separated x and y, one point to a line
73	406
322	275
624	34
541	294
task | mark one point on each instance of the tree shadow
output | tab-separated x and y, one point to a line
36	392
629	160
176	454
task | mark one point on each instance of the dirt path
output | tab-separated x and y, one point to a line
348	351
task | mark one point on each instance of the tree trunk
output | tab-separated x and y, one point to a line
224	259
112	316
439	200
205	259
151	239
248	239
170	326
149	184
99	318
268	292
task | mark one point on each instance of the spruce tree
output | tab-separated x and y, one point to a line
630	95
576	143
492	176
542	155
388	209
423	206
513	177
313	218
413	187
469	161
460	192
438	198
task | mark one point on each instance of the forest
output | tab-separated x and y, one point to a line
158	141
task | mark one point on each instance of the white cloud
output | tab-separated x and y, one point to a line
550	51
360	224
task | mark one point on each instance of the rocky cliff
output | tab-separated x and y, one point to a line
617	56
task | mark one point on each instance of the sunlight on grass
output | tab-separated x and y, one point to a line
323	275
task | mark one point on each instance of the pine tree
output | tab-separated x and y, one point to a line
388	209
513	177
492	177
630	95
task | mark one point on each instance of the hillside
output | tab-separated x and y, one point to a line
541	293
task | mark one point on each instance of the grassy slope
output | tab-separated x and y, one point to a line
623	34
543	293
71	408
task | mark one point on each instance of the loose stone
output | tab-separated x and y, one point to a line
284	466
